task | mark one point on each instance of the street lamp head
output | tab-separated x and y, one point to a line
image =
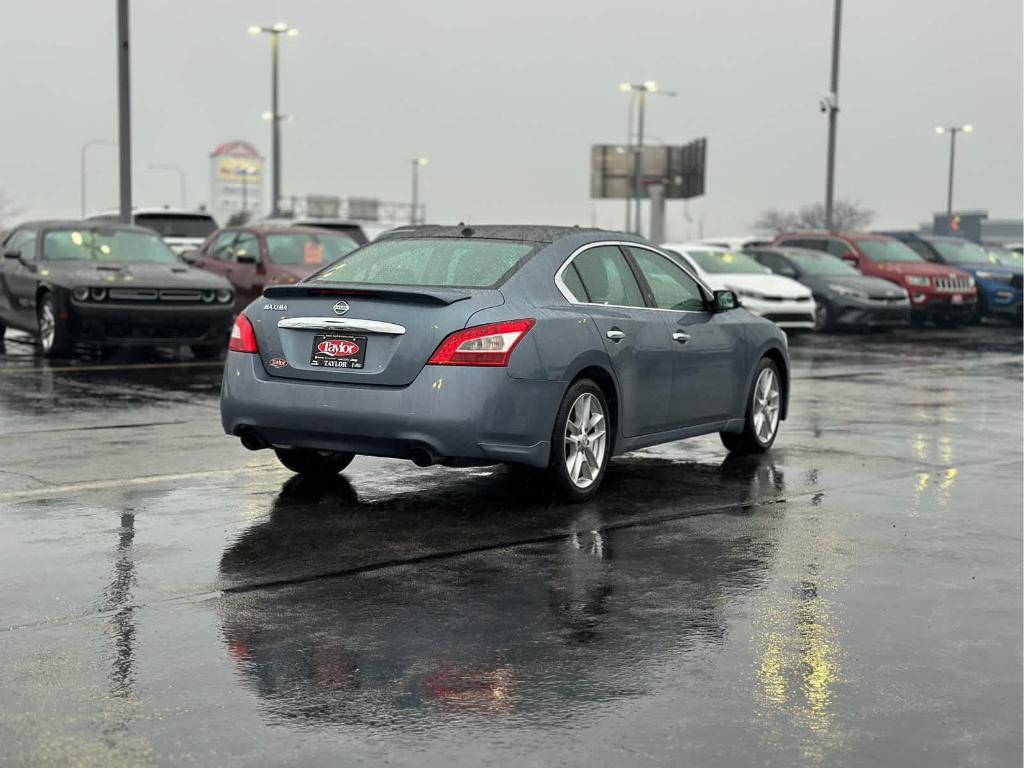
255	29
280	27
939	130
267	116
293	32
650	86
421	161
967	128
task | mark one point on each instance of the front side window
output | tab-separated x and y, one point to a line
775	263
607	278
671	286
221	247
98	244
23	241
837	247
887	250
247	246
308	250
434	262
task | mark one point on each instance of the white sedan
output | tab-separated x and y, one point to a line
780	299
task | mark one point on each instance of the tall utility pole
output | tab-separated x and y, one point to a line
124	112
642	89
417	162
830	104
952	130
275	31
629	143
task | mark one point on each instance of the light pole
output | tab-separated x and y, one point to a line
245	173
830	104
952	130
85	146
638	161
275	31
417	163
124	112
174	169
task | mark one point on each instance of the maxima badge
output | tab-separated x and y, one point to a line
341	308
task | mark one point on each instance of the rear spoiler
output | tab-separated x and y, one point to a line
366	291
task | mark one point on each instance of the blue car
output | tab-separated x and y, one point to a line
549	347
999	285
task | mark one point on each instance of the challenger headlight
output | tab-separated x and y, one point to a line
918	280
223	295
81	293
843	290
209	296
98	294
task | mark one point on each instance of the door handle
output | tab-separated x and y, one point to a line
681	336
615	334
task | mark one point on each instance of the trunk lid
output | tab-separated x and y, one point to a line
396	329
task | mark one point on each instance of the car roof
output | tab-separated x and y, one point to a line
823	233
262	228
784	249
520	232
81	224
700	247
152	211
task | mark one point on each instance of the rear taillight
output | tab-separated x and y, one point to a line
488	345
243	338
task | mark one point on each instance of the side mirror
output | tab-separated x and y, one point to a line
851	258
12	254
241	257
725	300
189	257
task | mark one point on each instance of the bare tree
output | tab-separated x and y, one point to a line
239	218
847	216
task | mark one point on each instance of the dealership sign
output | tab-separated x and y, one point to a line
236	178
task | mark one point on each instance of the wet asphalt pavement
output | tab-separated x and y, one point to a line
851	598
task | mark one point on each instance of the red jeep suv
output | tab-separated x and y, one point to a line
937	292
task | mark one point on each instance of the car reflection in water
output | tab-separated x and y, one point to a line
543	630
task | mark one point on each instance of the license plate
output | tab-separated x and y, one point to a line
958	299
333	351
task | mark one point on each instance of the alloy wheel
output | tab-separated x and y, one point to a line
47	325
585	440
765	408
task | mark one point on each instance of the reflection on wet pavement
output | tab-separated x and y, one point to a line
852	597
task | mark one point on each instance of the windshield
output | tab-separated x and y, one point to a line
106	245
437	262
820	264
887	250
1006	257
308	250
960	252
722	261
177	224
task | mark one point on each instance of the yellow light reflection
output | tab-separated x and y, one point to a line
76	238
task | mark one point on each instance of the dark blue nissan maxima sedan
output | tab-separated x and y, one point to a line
549	347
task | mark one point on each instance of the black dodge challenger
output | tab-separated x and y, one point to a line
109	285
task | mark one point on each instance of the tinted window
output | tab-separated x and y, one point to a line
246	244
803	242
776	263
921	249
837	247
607	277
106	245
725	261
671	286
572	281
449	263
177	225
310	250
887	250
23	241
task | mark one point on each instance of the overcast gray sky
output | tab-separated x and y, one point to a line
506	97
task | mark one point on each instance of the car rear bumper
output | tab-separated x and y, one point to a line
128	325
457	413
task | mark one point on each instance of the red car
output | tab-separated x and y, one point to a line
937	292
255	257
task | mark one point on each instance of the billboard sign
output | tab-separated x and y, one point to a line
236	178
680	170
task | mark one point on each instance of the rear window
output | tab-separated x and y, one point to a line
721	261
311	250
961	252
433	262
177	225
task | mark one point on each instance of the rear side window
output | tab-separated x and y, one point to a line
435	262
607	277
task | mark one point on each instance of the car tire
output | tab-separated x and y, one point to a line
823	320
207	351
309	462
54	337
764	404
580	442
980	309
